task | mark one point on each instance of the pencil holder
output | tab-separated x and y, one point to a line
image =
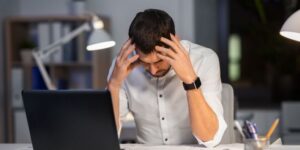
256	144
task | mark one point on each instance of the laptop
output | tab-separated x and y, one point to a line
70	120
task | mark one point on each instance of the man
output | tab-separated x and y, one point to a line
172	87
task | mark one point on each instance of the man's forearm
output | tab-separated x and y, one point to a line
203	120
123	65
114	91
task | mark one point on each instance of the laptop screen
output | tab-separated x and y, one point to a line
71	120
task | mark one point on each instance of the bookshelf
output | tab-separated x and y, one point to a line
71	68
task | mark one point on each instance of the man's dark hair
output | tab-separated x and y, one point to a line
148	27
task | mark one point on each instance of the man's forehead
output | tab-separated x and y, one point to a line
148	58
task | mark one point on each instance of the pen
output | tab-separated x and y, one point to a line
247	124
246	133
246	129
254	124
238	126
272	128
253	131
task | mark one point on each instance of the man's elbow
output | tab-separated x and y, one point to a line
210	133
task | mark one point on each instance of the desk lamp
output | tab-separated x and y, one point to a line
291	27
99	39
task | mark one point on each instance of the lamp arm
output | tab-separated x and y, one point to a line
43	71
54	46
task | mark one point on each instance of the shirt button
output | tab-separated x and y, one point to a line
163	118
166	139
160	95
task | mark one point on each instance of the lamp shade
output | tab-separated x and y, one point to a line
99	39
291	27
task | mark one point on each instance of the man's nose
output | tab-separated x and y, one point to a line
153	69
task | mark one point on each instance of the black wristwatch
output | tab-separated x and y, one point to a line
195	85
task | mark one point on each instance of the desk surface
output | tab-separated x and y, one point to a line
237	146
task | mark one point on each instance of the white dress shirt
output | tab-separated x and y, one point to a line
160	106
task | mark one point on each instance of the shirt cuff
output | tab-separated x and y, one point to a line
119	129
218	136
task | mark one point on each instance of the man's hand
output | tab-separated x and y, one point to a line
178	58
123	65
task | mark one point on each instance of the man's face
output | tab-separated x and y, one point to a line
153	64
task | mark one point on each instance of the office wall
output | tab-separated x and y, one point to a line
7	8
206	26
121	13
43	7
1	75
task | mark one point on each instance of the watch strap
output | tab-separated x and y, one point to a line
195	85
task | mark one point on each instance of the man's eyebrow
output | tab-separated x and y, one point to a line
141	61
148	63
158	61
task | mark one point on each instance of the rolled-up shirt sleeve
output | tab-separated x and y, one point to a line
211	88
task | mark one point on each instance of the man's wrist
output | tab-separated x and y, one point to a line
113	85
190	79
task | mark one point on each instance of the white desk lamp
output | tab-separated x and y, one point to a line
291	27
99	39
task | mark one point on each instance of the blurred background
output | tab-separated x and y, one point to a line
262	66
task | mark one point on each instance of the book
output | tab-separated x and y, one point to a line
43	38
16	88
38	82
81	47
67	47
57	56
80	79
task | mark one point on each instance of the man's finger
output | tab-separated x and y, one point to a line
167	51
125	46
168	59
127	52
177	41
131	60
135	64
170	43
177	37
